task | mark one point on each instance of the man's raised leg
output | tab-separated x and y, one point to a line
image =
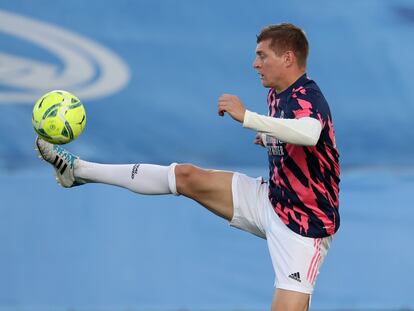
210	188
141	178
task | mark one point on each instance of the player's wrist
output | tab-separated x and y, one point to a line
242	114
246	118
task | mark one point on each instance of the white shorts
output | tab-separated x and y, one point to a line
296	259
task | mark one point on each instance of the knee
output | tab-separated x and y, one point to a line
186	176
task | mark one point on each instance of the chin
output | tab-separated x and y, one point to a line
266	84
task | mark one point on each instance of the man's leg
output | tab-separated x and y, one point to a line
287	300
212	189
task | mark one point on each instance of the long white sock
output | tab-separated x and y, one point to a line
139	178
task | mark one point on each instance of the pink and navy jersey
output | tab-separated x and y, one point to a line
304	180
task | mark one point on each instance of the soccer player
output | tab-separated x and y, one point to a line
296	210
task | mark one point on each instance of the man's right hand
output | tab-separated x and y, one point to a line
258	140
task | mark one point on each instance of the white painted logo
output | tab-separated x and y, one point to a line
87	69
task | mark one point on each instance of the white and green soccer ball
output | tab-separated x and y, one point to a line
58	117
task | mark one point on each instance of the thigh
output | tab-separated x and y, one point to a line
287	300
210	188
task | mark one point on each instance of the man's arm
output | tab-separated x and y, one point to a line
304	131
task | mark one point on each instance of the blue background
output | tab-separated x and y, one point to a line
99	247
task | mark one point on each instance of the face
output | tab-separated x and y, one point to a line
269	65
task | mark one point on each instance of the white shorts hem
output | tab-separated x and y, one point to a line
234	221
294	288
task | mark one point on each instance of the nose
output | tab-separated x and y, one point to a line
256	63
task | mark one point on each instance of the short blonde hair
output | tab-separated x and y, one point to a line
287	37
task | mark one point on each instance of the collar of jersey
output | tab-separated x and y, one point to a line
299	82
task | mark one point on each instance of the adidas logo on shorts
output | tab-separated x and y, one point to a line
295	276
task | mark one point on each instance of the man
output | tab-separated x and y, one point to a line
297	210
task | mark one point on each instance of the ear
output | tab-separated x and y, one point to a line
289	58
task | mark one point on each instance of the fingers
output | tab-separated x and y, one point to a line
221	110
259	140
225	102
256	142
232	105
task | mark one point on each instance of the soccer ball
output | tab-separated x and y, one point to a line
58	117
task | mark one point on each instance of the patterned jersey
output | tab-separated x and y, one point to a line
304	180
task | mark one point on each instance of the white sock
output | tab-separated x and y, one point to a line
139	178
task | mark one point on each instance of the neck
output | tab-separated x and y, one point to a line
289	80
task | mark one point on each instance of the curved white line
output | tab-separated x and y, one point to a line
80	57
